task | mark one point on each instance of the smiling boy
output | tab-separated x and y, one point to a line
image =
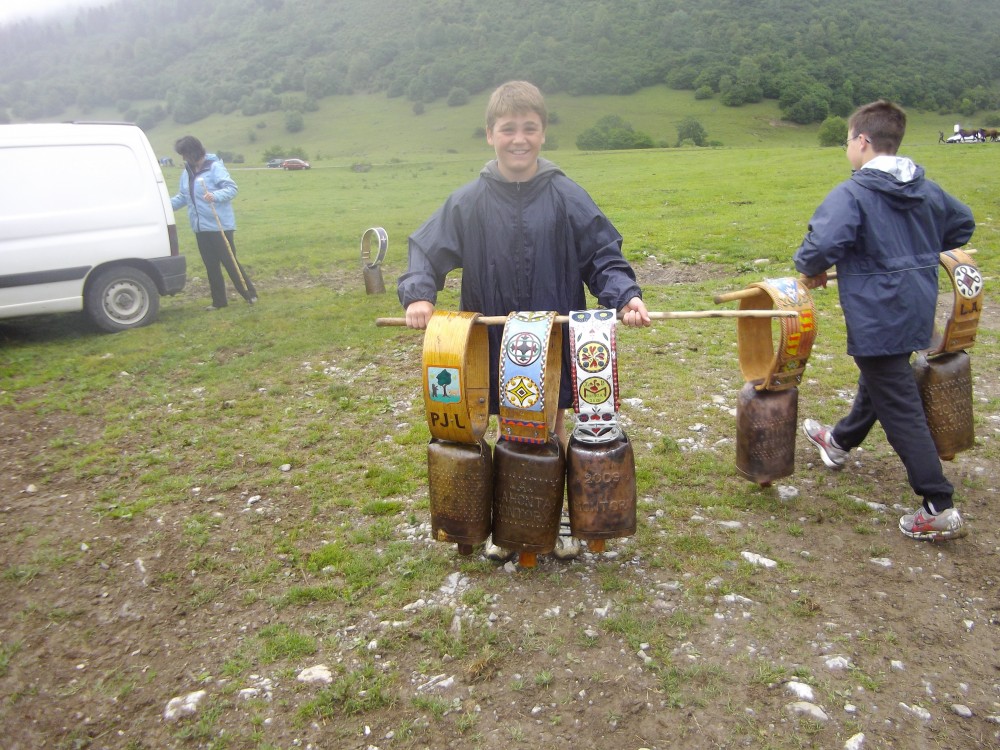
527	237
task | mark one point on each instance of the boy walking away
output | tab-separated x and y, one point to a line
207	190
527	238
884	229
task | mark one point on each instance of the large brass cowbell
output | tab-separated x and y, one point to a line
529	463
600	464
600	485
944	371
767	407
528	495
460	479
456	399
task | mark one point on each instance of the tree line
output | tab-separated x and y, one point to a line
187	59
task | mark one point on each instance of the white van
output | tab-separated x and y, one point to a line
85	224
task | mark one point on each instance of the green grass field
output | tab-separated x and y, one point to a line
267	462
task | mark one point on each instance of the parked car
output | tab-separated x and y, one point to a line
294	164
275	163
959	138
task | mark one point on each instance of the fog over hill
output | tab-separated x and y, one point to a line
187	59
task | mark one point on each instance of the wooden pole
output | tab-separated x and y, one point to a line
496	320
754	291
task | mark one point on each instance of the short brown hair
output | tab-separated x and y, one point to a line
882	122
515	97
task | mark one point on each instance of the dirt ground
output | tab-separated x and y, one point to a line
894	644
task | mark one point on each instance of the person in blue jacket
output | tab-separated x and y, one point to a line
207	190
526	237
884	229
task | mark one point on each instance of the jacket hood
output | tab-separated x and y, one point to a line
207	164
897	178
492	170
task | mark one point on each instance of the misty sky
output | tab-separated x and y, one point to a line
18	10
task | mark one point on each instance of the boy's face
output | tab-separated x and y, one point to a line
517	140
858	150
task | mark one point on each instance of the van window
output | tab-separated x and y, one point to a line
70	176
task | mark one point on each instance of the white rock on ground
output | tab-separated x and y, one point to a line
759	560
183	705
318	673
805	708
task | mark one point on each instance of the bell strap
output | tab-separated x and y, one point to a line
768	367
967	283
595	375
530	369
380	238
456	377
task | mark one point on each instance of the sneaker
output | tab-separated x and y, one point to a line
567	546
252	301
822	437
496	552
213	307
947	524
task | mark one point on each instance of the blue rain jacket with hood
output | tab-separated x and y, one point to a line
521	246
884	229
213	177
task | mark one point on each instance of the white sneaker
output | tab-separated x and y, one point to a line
567	548
496	552
947	524
822	437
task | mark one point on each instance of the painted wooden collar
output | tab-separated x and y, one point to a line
766	366
530	370
456	377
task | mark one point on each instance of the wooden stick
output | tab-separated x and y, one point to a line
741	294
753	292
497	320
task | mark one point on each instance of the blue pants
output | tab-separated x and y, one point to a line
888	392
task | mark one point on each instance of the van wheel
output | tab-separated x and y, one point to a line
122	298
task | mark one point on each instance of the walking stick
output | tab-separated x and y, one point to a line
229	248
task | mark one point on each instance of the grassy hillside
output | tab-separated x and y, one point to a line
372	128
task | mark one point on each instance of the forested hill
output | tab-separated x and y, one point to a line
186	59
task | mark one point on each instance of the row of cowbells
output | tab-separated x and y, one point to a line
767	406
766	420
515	492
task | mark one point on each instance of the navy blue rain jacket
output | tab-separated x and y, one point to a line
521	246
885	236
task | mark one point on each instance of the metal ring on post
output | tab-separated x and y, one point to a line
595	375
530	369
456	377
770	368
960	328
382	238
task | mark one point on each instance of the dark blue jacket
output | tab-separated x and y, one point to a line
884	231
521	246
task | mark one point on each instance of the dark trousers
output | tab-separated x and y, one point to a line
888	392
215	255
